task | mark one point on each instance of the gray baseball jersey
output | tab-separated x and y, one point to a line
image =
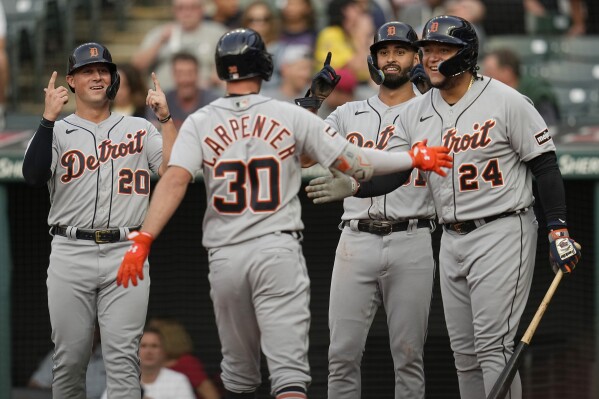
370	124
250	148
487	258
490	138
100	179
370	270
104	169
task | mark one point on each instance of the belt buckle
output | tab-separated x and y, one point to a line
98	236
381	227
459	228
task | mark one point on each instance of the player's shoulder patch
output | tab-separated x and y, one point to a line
543	137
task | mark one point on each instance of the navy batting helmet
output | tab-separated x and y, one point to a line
456	31
389	32
241	54
93	53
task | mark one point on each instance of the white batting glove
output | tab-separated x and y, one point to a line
331	188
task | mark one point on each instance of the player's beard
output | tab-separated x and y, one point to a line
447	83
395	81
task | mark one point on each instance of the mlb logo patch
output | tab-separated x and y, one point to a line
543	137
242	103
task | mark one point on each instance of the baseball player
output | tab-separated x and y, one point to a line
248	148
384	256
498	141
97	167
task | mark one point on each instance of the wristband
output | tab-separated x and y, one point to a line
166	119
47	123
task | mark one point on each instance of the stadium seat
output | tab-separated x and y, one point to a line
566	73
532	49
579	48
579	105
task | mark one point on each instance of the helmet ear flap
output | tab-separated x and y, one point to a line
459	63
115	80
376	74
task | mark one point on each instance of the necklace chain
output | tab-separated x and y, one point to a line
470	84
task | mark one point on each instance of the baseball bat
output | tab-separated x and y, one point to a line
504	381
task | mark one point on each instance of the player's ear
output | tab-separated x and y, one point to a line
417	59
70	79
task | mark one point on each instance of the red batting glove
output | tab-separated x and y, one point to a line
132	265
431	158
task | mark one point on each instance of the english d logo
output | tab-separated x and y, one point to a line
434	26
233	69
391	31
93	52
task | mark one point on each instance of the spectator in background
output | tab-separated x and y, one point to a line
298	21
131	97
375	10
188	32
178	348
295	70
157	381
95	377
550	17
187	96
259	16
348	36
472	11
3	68
504	65
416	14
419	13
227	13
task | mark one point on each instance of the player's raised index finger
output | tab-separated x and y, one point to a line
156	82
52	80
327	61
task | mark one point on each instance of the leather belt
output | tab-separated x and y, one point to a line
468	226
386	227
100	236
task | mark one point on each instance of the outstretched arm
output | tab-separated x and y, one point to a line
168	194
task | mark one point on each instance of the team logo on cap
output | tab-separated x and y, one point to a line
434	27
391	30
93	52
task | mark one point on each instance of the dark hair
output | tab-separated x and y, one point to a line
273	32
335	11
185	56
310	19
154	330
507	58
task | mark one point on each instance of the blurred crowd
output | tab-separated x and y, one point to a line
299	34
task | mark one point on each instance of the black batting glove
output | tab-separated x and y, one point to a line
323	84
419	78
